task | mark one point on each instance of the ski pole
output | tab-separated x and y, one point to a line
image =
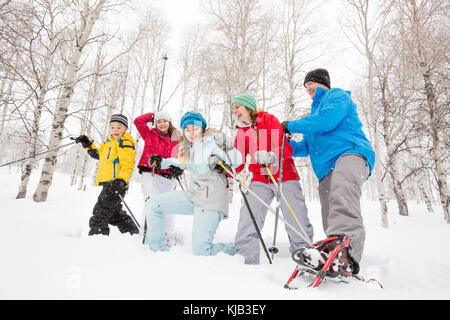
263	202
252	216
162	81
38	154
145	230
288	205
131	213
274	249
179	182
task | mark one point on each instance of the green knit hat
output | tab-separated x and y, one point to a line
245	100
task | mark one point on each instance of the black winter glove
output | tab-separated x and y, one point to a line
284	125
219	169
84	140
214	164
155	161
117	186
175	171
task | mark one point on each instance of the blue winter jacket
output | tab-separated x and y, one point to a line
331	130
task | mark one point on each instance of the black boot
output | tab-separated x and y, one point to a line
123	222
128	226
95	230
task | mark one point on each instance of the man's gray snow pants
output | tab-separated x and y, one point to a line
340	193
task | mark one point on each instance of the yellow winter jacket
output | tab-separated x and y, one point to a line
116	158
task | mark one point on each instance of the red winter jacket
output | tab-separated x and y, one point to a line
270	139
155	143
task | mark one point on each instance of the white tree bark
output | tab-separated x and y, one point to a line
418	14
88	20
367	36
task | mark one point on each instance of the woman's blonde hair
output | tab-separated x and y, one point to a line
184	145
184	148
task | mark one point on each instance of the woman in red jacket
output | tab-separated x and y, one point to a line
161	140
260	135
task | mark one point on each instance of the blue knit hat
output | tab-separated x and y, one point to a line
194	118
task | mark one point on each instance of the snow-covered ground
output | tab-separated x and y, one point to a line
46	254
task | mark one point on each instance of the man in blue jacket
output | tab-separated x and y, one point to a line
342	159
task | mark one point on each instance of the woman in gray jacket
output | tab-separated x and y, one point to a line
207	196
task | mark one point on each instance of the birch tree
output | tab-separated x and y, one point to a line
295	44
427	22
149	63
89	16
194	68
366	29
238	26
41	68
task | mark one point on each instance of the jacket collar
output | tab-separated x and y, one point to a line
242	125
159	133
319	94
126	135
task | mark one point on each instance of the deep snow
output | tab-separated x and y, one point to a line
46	254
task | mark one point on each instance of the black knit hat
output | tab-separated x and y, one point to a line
119	118
318	75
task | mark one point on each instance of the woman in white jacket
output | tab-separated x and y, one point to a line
206	198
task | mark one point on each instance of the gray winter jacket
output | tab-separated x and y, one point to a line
207	188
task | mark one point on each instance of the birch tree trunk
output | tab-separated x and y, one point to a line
425	67
391	163
5	105
88	115
295	40
367	36
32	145
424	194
88	20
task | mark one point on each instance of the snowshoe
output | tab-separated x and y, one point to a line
310	257
320	257
329	259
309	275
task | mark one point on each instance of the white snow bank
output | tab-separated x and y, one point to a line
46	254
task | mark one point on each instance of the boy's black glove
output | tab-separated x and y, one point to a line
84	140
175	171
284	125
155	161
117	186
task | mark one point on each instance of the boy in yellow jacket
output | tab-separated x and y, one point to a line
116	163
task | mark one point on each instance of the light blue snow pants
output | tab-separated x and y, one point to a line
203	229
